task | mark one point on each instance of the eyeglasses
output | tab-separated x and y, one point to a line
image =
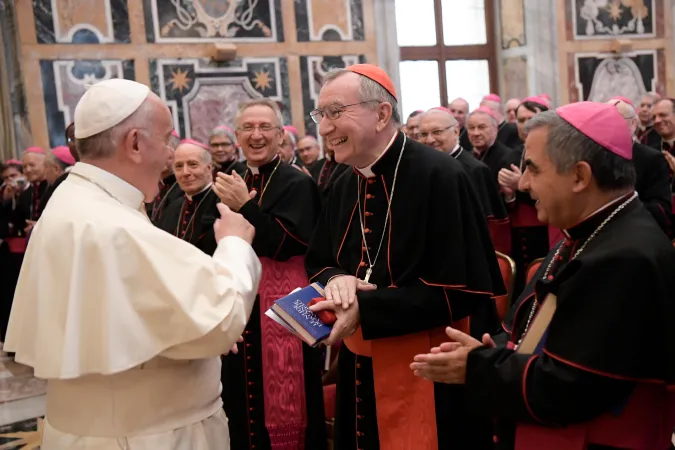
333	112
264	128
434	133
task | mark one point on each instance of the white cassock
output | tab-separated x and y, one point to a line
127	322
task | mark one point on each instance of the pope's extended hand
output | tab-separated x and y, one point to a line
232	224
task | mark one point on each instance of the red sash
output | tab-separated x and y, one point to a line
17	244
646	423
406	414
282	360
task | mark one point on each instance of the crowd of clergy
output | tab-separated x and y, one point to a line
502	274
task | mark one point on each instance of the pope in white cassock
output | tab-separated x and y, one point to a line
124	320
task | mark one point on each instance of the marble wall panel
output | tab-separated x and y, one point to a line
81	21
188	21
603	19
598	77
512	21
329	20
202	94
65	81
312	71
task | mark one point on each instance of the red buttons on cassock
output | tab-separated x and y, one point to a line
371	180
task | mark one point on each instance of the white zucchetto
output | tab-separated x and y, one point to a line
106	104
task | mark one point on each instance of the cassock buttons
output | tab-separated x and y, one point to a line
371	180
367	231
369	196
358	383
362	264
368	214
550	277
358	365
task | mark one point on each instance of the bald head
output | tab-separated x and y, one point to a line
439	129
627	111
459	109
511	107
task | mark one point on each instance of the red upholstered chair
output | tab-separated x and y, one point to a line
532	269
508	269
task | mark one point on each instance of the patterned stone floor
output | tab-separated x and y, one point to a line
22	406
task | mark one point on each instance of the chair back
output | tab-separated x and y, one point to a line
532	269
508	269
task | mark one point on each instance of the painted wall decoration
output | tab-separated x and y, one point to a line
512	20
602	19
81	21
329	20
202	94
312	71
514	72
65	81
602	76
213	21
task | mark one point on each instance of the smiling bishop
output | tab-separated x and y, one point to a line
273	393
403	249
585	360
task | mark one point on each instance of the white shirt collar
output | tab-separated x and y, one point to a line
256	170
455	150
205	188
368	170
114	185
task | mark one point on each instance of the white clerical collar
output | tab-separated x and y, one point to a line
670	142
256	170
189	197
455	150
124	192
368	170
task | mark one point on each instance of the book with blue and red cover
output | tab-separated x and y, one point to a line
293	313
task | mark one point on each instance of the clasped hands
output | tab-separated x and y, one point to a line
341	298
447	362
232	190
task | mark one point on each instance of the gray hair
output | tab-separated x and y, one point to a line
369	90
205	153
451	119
52	160
104	144
223	131
259	102
566	146
493	119
291	139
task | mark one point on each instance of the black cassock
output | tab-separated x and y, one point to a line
192	219
283	213
486	186
653	184
325	171
50	190
229	167
507	134
437	265
649	137
464	139
13	217
169	191
614	320
499	157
